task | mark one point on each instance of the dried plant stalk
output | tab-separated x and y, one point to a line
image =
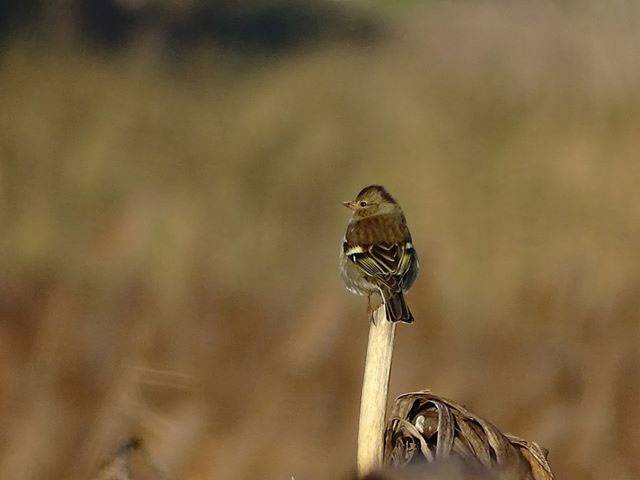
373	403
424	426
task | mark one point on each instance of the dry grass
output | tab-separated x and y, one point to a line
169	244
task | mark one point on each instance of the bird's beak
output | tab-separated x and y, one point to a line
350	204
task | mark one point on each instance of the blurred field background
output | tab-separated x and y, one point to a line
171	217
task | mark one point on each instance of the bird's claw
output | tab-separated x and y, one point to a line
370	311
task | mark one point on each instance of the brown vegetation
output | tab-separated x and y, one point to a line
424	427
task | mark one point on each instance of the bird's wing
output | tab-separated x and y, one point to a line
383	263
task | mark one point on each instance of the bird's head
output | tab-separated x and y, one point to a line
373	200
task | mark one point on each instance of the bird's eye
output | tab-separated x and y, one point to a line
363	204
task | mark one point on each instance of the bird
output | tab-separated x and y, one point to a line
377	255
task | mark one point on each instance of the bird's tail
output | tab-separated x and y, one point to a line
396	308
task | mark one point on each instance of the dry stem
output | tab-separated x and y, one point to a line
374	393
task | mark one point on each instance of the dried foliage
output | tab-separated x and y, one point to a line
131	461
424	426
119	468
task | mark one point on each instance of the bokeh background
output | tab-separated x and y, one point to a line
170	185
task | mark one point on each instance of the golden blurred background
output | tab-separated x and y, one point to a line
170	189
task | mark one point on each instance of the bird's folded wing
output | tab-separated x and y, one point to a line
387	263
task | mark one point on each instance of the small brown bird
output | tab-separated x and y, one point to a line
377	255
